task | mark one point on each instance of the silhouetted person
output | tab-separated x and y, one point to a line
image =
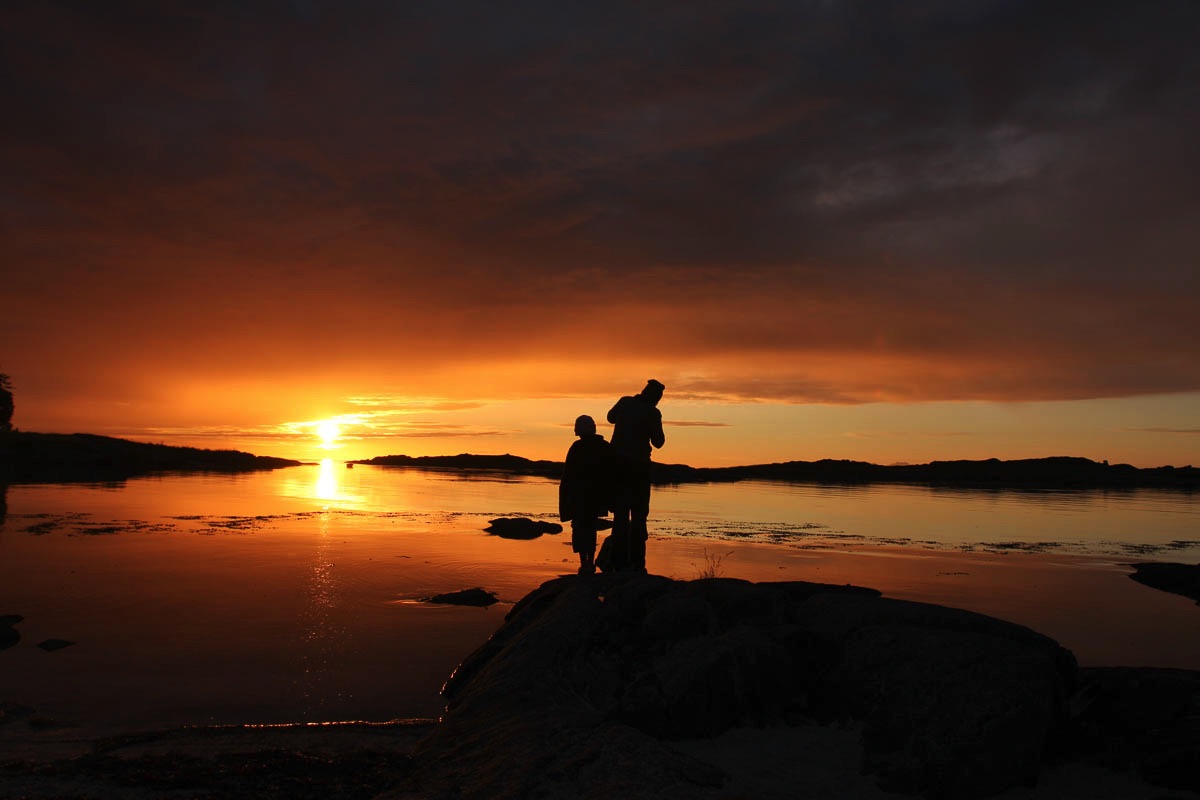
586	491
637	426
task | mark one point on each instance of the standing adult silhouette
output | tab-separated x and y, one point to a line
637	429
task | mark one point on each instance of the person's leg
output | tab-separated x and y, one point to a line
578	540
637	545
587	551
639	513
622	515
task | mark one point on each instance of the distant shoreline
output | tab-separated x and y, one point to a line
27	457
1061	472
83	457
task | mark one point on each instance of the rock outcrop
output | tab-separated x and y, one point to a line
594	685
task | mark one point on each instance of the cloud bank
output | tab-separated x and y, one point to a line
803	202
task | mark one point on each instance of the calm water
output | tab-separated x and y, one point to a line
294	595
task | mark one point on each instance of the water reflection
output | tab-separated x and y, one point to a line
327	482
281	585
332	484
323	632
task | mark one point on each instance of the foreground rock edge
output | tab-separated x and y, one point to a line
594	686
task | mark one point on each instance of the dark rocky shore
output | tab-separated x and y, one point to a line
637	686
1030	473
43	457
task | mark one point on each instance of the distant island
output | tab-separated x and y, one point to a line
34	457
1061	472
37	457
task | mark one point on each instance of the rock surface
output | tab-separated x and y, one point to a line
590	683
1142	719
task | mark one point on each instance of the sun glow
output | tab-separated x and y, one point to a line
328	431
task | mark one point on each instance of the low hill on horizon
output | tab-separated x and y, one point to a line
1062	472
68	457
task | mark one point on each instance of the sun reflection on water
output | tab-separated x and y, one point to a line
327	482
332	486
323	632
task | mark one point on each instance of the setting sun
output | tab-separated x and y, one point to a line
328	432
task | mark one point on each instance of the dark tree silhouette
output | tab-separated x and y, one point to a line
6	403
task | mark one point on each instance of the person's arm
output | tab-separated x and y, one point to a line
566	487
657	437
614	412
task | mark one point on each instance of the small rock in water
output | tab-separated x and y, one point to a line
8	634
466	597
521	528
54	644
1181	579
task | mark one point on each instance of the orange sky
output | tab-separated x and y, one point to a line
830	233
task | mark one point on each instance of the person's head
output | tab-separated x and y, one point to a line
653	391
585	425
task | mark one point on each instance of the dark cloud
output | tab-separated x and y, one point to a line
1005	186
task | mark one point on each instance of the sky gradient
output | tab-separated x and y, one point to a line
884	231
